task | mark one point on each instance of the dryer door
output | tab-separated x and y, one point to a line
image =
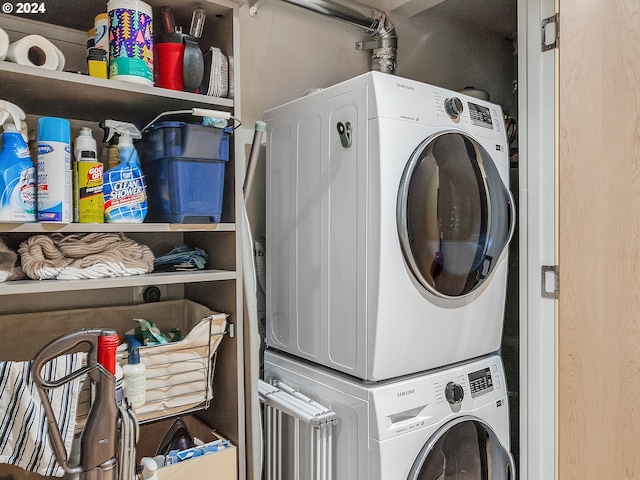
455	215
464	449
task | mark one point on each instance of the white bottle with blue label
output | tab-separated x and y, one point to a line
54	178
17	171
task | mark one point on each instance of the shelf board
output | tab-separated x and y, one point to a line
40	92
114	227
79	14
162	278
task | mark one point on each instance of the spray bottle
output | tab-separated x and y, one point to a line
134	376
88	172
17	171
125	188
55	176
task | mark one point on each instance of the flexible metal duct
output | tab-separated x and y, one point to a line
375	22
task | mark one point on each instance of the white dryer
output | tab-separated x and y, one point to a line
388	219
448	424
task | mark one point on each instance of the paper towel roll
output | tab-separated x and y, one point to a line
35	51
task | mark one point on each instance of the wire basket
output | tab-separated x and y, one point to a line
179	375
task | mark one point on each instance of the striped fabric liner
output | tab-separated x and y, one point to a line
24	440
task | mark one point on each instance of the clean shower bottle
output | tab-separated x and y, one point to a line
125	186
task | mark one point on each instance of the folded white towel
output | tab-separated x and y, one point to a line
24	440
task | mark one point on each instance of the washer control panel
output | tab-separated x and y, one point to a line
480	382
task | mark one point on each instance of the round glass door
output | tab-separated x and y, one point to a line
463	449
455	215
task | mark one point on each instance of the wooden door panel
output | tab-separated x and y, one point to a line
599	240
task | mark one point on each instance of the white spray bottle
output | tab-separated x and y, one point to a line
17	171
125	187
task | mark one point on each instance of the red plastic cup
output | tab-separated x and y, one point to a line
107	345
169	60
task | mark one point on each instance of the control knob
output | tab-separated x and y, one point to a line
453	106
454	393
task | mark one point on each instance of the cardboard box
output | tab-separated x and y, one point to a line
221	465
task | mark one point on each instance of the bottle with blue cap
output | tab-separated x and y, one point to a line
54	177
134	376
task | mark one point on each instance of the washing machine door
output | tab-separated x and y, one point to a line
455	215
464	449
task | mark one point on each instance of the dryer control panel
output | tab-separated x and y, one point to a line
480	115
480	382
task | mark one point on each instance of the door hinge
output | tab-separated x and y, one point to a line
551	32
550	286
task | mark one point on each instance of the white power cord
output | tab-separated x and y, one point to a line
129	431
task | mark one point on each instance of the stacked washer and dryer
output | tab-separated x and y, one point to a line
388	221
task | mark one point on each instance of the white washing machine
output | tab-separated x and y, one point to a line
448	424
388	219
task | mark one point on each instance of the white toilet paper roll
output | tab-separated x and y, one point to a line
35	51
61	59
4	44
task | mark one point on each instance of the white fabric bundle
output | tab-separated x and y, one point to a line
84	256
24	440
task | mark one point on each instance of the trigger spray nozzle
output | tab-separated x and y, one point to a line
123	129
11	116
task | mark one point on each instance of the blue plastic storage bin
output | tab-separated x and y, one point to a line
184	165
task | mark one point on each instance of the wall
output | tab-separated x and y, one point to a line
435	48
287	49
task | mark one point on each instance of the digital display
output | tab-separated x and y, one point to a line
480	115
480	382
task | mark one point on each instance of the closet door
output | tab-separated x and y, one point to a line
599	241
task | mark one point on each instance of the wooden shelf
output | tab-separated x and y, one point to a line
114	227
163	278
40	92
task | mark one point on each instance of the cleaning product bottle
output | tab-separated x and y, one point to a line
87	180
119	373
17	171
134	376
113	158
125	187
149	468
55	192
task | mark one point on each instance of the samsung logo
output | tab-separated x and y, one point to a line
406	392
406	87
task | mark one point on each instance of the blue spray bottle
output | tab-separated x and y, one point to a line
125	187
17	171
